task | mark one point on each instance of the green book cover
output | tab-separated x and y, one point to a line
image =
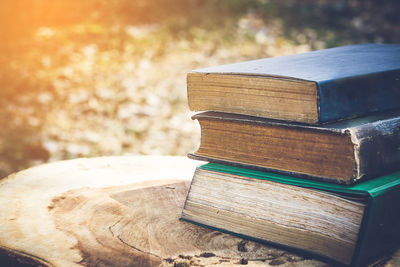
380	227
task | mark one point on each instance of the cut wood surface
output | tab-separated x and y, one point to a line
119	211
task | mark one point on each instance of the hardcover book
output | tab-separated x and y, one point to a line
341	152
347	224
314	87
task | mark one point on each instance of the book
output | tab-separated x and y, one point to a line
314	87
350	225
341	152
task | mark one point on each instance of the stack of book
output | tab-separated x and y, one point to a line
304	151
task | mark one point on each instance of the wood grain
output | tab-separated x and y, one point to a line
117	211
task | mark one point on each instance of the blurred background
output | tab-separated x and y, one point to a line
107	77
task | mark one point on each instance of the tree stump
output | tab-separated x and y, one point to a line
118	211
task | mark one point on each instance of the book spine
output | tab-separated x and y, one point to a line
380	230
359	95
377	148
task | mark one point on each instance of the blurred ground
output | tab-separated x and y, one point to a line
97	77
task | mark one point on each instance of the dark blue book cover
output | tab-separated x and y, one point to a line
349	81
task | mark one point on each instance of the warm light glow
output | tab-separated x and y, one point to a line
101	77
